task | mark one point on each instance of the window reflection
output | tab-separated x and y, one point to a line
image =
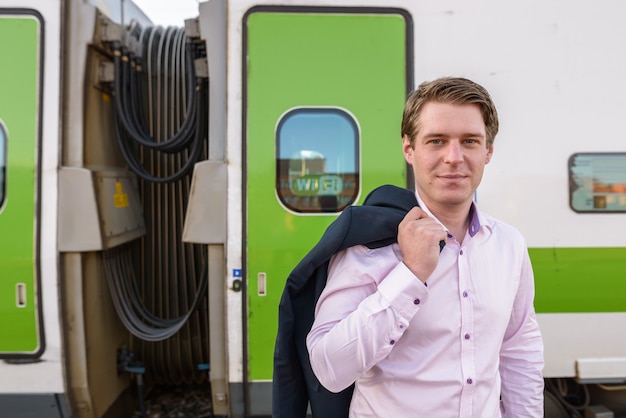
598	182
317	157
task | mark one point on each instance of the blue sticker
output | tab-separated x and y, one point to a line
236	272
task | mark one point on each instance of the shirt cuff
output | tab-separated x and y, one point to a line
404	292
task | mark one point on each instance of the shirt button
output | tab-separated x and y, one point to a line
401	326
392	342
467	336
469	381
416	302
465	294
461	252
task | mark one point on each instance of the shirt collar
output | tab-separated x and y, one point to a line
475	216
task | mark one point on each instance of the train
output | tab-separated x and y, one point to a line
158	184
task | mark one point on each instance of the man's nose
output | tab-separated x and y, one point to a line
454	152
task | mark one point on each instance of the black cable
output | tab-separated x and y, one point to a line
137	319
569	397
123	101
131	126
131	100
135	165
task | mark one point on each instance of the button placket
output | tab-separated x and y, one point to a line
467	326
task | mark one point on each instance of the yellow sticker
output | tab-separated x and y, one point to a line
120	199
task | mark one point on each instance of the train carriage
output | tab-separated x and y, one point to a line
158	184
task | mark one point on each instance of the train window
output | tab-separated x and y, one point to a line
597	182
317	160
3	163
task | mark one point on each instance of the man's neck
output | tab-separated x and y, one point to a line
455	217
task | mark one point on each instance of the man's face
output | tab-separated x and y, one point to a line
450	154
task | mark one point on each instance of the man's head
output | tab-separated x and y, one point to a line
447	137
452	90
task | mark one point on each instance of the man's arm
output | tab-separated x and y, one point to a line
521	355
366	306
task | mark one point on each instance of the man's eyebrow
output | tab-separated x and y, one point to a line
465	135
435	135
474	136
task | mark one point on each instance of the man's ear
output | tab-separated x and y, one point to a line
489	154
407	150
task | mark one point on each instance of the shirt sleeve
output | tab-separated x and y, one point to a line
521	355
369	299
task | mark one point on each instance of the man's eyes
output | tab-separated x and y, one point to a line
469	141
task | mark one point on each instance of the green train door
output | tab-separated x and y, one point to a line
20	89
324	90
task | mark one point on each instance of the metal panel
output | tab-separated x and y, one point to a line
121	213
97	210
205	221
79	228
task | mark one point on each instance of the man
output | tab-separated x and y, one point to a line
425	331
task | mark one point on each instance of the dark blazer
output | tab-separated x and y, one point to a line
374	224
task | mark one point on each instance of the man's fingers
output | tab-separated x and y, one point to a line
415	213
417	219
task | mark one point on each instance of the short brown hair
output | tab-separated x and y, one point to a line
454	90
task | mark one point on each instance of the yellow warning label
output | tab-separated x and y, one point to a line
120	199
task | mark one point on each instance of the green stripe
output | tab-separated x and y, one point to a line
579	279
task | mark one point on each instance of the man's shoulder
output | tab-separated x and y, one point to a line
373	225
501	228
392	196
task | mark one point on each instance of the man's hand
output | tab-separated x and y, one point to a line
418	237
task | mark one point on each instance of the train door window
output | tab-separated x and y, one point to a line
597	182
317	160
3	163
